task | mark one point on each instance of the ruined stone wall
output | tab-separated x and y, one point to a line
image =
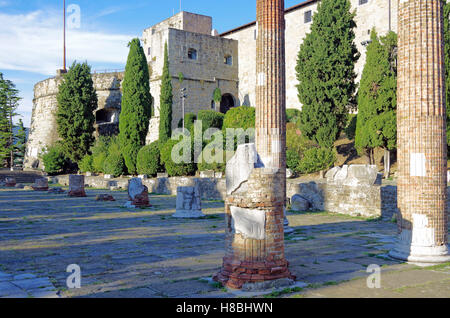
43	129
375	13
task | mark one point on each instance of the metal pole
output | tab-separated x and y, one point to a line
64	53
182	107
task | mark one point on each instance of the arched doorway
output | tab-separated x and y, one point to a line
227	103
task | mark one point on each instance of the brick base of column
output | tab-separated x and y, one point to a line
236	275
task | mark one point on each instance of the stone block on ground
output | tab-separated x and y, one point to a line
207	174
56	191
10	182
299	203
40	184
76	186
137	194
20	186
189	203
105	197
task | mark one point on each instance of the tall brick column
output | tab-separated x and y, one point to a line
422	148
254	256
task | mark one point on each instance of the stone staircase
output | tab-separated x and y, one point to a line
20	176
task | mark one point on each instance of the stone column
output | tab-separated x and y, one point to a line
422	148
256	188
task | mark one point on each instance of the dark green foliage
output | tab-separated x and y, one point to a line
325	71
292	115
77	101
136	105
189	120
350	129
242	117
9	99
173	168
210	119
148	160
447	63
377	97
293	159
317	159
166	100
114	164
86	164
55	160
20	140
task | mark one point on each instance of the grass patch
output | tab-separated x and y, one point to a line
284	292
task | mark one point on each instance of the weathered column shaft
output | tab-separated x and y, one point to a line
271	84
422	147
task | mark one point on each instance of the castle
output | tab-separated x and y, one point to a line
201	60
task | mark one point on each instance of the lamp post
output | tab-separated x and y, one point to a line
183	96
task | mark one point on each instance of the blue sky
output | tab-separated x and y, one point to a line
31	33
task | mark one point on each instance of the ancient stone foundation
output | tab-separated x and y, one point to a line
254	233
189	204
137	194
422	148
40	184
76	186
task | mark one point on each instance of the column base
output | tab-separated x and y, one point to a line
420	254
254	275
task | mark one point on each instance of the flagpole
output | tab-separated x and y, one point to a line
64	54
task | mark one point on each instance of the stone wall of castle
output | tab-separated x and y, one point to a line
381	14
43	129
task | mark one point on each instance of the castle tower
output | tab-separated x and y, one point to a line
255	204
422	148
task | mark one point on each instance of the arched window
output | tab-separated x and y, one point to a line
192	54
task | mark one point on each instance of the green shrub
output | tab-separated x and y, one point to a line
99	153
86	164
148	160
207	163
210	119
114	165
292	115
293	159
242	117
177	169
55	162
317	159
189	120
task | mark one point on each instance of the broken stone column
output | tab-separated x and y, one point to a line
422	148
256	189
189	204
10	182
76	186
40	184
137	194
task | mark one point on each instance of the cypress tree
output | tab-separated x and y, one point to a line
9	101
166	99
77	101
136	105
325	71
377	99
20	144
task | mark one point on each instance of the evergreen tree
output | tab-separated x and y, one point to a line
377	99
447	63
77	101
20	144
136	105
166	99
9	101
325	71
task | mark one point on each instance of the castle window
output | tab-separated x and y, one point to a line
228	60
149	51
192	54
361	2
308	16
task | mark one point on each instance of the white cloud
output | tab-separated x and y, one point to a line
32	42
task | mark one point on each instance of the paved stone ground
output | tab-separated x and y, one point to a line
146	253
